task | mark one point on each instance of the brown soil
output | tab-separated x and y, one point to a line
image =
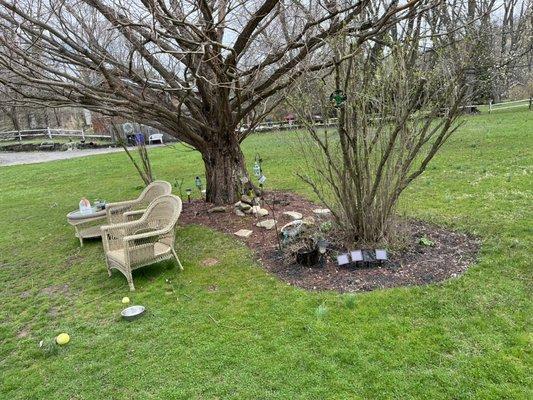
416	264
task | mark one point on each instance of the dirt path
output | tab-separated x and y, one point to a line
32	157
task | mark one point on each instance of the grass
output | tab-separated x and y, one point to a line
232	331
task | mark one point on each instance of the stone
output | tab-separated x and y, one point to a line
244	233
245	207
293	215
246	199
268	224
239	213
322	212
247	210
219	209
259	212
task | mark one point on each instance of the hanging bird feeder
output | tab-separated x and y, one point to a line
338	98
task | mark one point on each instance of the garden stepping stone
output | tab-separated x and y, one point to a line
259	212
293	215
268	224
244	233
322	212
217	209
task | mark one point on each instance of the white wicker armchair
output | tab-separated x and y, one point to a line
132	245
132	209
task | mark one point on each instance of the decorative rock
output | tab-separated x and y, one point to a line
244	233
267	224
217	209
245	207
247	210
322	212
262	212
259	212
293	215
246	199
239	213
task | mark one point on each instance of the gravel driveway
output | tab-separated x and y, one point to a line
32	157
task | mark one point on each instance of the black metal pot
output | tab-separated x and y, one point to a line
308	258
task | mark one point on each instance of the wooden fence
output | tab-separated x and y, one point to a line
49	133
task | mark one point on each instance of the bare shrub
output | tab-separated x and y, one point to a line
401	107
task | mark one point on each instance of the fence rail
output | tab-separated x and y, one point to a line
49	133
505	105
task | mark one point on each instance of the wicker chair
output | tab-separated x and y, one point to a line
133	209
134	244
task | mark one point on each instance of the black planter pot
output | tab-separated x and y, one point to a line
308	258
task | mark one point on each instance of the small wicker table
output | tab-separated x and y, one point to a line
87	225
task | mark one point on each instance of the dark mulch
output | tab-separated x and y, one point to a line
416	264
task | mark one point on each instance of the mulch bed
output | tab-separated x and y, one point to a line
416	264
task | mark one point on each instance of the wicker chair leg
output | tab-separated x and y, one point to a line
177	259
129	278
107	265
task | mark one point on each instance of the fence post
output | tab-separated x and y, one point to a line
490	106
530	103
83	134
48	132
20	136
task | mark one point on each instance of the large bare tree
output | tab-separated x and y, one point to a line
196	69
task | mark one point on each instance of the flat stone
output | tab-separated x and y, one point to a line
322	212
293	215
246	199
259	212
219	209
245	207
239	213
247	210
267	224
244	233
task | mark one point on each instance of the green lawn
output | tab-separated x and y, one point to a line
232	331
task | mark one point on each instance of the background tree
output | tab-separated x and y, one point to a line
195	69
491	38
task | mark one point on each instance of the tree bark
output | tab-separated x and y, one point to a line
224	171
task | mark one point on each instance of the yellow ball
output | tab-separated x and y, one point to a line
125	300
62	338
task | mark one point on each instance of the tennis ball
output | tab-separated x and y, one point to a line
125	300
62	338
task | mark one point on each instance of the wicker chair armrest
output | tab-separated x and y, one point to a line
132	215
146	235
121	204
122	226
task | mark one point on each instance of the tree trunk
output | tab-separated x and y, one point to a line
224	172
